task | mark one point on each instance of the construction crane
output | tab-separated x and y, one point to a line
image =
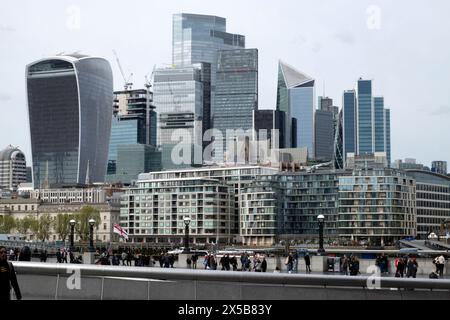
128	85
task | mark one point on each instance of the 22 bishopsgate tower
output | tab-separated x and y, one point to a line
69	105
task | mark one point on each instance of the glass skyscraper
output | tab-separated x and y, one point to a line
236	98
198	38
324	135
366	126
296	97
126	129
133	123
379	137
69	107
365	117
180	100
349	125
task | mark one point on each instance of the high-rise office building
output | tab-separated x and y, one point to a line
387	132
13	169
236	101
134	159
133	122
198	38
365	129
324	135
349	122
366	125
338	152
272	121
138	103
295	96
69	106
439	167
325	126
179	96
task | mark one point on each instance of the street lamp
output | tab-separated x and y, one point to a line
187	221
72	229
91	235
321	220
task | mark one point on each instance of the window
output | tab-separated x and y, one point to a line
104	226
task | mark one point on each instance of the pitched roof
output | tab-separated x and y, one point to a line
293	77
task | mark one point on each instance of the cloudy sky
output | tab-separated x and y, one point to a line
402	45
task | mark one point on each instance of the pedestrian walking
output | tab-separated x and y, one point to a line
234	263
194	259
399	267
8	277
295	261
124	257
307	262
412	267
354	266
289	262
345	264
189	263
440	265
263	265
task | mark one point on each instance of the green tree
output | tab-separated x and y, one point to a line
34	225
23	225
83	216
7	223
62	226
45	223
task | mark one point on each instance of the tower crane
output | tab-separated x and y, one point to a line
128	85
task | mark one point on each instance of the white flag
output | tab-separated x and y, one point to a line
120	231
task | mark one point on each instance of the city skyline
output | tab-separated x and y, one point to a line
330	46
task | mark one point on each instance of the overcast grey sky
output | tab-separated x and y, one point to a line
402	45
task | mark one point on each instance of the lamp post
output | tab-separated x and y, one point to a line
72	229
91	235
321	220
187	221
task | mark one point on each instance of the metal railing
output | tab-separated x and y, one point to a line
324	281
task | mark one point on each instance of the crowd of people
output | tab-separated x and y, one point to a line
228	262
406	266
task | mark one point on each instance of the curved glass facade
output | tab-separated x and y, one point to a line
69	104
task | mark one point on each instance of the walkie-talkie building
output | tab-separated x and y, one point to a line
69	106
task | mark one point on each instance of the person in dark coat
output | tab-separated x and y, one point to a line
400	268
354	266
8	277
166	261
25	254
234	263
412	267
308	262
43	256
263	265
194	259
289	262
